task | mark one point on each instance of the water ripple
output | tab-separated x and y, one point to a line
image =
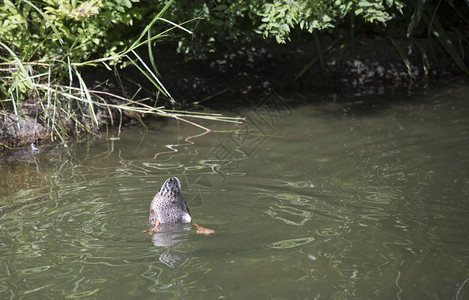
291	243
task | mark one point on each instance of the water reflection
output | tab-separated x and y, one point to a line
169	236
325	202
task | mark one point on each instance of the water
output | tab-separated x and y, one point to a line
367	197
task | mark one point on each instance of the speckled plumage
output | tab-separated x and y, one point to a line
168	205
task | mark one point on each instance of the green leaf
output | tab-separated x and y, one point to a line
442	36
416	16
404	58
128	3
423	54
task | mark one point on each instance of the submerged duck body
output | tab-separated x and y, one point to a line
168	205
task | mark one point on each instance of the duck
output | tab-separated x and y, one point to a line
169	206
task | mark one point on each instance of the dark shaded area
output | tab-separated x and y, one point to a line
237	74
367	65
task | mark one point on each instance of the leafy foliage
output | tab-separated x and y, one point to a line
59	32
278	18
55	37
43	30
275	19
44	43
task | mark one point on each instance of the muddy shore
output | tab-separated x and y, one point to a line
241	72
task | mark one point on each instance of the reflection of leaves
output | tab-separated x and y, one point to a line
295	199
163	166
289	215
35	270
292	243
327	231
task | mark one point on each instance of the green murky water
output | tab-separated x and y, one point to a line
366	198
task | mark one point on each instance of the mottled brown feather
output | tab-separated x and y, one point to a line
168	205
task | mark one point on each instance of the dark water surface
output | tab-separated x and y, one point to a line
365	198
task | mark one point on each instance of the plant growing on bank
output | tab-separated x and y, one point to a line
44	44
444	22
274	19
51	36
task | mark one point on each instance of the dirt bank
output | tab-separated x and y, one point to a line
240	72
368	64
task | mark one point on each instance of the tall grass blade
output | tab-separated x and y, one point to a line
317	43
147	28
14	103
424	56
84	89
150	54
431	20
404	58
313	61
176	25
461	41
14	90
24	73
153	78
461	15
51	24
443	38
307	67
416	16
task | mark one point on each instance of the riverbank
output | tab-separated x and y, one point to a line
367	65
239	73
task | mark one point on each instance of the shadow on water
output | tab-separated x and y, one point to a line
361	197
169	236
